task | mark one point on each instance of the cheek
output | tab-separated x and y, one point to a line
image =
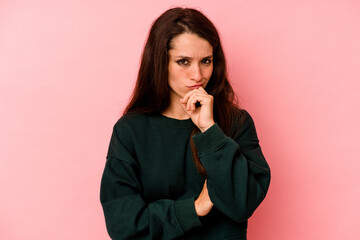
176	77
208	72
172	75
173	70
178	74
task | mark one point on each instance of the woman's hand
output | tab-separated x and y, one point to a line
203	204
202	116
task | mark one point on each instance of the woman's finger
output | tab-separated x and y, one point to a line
202	90
196	97
186	97
189	102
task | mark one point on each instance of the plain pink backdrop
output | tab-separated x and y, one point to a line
67	69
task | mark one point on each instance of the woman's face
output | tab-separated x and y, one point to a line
190	64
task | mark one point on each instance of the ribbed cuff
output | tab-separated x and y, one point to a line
186	214
210	140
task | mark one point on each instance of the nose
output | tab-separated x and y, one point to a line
196	73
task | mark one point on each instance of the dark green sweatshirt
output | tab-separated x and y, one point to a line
150	181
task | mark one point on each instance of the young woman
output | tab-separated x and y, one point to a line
184	162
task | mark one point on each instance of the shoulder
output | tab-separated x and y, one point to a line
130	117
125	130
240	117
130	125
130	121
243	125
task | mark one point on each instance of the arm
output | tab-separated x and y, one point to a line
127	215
238	175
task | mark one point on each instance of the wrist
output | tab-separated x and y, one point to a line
203	129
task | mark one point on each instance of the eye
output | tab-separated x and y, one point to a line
183	62
206	61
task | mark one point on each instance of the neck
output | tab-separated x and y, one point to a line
175	110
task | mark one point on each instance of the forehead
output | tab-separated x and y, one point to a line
190	45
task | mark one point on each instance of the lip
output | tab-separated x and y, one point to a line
195	86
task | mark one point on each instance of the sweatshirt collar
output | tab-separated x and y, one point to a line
173	122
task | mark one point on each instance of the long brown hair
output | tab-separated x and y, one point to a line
152	92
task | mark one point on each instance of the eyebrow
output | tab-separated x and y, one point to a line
180	56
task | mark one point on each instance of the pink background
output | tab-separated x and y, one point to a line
67	69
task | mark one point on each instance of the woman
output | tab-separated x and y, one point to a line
184	161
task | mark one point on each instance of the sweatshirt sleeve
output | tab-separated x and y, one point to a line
127	215
238	175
